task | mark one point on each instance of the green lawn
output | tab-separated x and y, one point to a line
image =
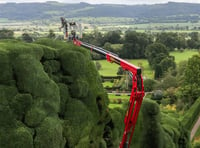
115	105
107	84
182	56
117	101
110	69
122	96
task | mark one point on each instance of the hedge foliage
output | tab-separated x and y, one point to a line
191	115
50	96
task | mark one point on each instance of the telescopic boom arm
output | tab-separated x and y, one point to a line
137	92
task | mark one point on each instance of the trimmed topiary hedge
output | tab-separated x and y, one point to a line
50	96
191	115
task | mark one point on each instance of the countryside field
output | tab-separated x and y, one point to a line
110	69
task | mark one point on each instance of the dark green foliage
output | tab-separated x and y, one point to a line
135	45
79	89
16	138
37	89
197	145
50	134
191	115
170	40
112	37
71	58
157	95
49	53
167	63
6	69
149	85
21	138
20	104
7	118
51	34
152	130
117	116
190	89
27	38
6	34
158	57
155	53
167	82
80	122
51	66
192	71
64	97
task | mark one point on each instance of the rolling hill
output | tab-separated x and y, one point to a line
49	10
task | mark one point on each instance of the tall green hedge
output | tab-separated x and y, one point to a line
191	115
50	96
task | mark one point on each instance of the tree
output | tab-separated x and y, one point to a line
135	45
108	47
155	53
51	34
194	41
6	34
167	62
170	40
149	85
192	71
190	89
159	59
113	37
27	38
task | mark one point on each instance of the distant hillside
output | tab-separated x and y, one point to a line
49	10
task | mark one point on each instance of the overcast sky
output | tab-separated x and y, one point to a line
107	1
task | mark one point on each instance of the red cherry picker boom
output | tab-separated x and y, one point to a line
137	92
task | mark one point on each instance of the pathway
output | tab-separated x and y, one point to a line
195	128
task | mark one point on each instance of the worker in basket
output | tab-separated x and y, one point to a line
64	25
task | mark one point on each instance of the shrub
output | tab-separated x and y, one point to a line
34	92
152	130
149	85
157	95
79	89
20	104
50	134
191	115
6	69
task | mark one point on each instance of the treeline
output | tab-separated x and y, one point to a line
153	47
147	13
135	43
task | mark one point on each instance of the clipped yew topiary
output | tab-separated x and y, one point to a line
51	96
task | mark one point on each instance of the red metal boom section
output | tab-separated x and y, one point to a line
137	92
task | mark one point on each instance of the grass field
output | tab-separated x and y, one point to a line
107	84
122	96
183	56
115	105
110	69
117	100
